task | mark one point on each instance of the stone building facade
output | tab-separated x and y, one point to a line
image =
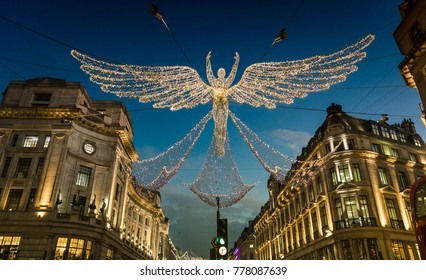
410	36
66	184
357	206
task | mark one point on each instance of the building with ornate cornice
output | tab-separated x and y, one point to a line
66	184
410	36
357	206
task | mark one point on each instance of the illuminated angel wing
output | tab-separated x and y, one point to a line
265	84
175	87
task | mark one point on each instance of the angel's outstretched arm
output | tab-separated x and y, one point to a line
231	76
210	77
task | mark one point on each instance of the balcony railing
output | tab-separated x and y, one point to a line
397	224
355	222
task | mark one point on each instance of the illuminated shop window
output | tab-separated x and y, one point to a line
9	246
110	254
73	249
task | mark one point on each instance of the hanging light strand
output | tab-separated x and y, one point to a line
219	178
157	171
283	168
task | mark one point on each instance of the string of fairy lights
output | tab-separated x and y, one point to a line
262	84
157	171
219	178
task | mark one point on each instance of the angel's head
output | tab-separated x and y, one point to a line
221	73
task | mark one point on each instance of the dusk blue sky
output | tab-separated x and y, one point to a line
125	31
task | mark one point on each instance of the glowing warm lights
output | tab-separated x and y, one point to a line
219	178
262	84
155	172
281	167
41	214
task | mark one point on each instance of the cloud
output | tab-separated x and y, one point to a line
193	223
290	142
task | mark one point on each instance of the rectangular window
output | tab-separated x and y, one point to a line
73	249
347	253
327	148
375	129
376	148
393	134
23	167
13	199
287	214
363	204
88	250
402	180
39	167
9	247
383	176
324	220
61	247
413	157
319	185
359	249
291	210
304	200
110	254
31	199
351	144
344	173
395	152
14	141
398	250
6	167
46	142
393	214
408	209
385	132
402	137
297	204
386	150
41	99
351	209
373	249
311	193
306	225
338	208
30	141
300	232
356	172
83	176
333	176
417	142
315	224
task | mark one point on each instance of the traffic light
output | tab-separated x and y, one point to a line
222	239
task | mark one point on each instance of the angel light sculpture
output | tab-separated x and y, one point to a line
262	84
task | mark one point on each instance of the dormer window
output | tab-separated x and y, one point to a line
375	129
417	142
41	99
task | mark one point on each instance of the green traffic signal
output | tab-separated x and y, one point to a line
221	241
